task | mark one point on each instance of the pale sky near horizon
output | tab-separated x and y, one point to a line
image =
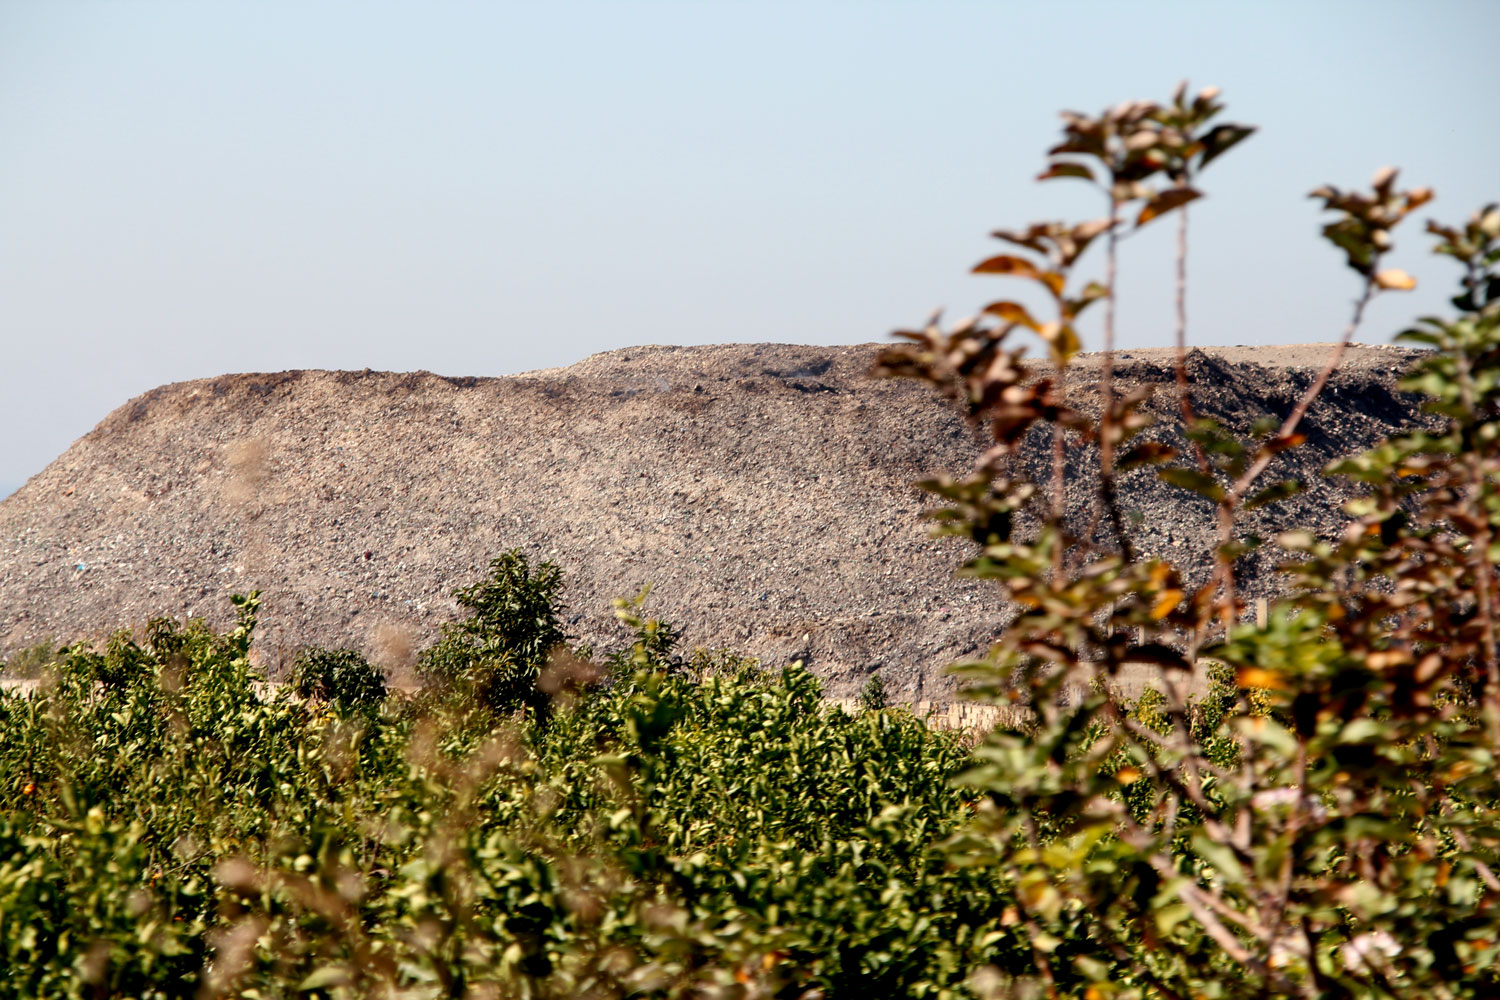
485	188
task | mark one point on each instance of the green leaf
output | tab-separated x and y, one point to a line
1092	969
1365	731
1044	942
1062	339
1220	856
328	975
1168	916
1191	479
1274	493
1092	292
1268	732
1264	425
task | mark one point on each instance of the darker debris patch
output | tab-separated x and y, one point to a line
141	408
811	369
413	381
458	381
255	384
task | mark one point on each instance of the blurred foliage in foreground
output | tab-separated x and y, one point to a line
1328	825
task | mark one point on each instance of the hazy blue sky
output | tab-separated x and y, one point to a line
188	189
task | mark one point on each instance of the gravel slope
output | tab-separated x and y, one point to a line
763	489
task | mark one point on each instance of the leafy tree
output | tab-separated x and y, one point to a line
498	652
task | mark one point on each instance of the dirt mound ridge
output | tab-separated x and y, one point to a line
763	489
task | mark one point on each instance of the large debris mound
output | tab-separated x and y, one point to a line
764	490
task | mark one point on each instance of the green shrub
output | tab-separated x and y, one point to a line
498	652
704	663
341	677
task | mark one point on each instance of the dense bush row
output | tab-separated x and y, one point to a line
657	826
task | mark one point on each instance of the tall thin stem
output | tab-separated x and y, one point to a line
1107	379
1230	504
1184	391
1107	391
1289	426
1184	401
1059	483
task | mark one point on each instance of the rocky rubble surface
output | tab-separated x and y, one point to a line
764	490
